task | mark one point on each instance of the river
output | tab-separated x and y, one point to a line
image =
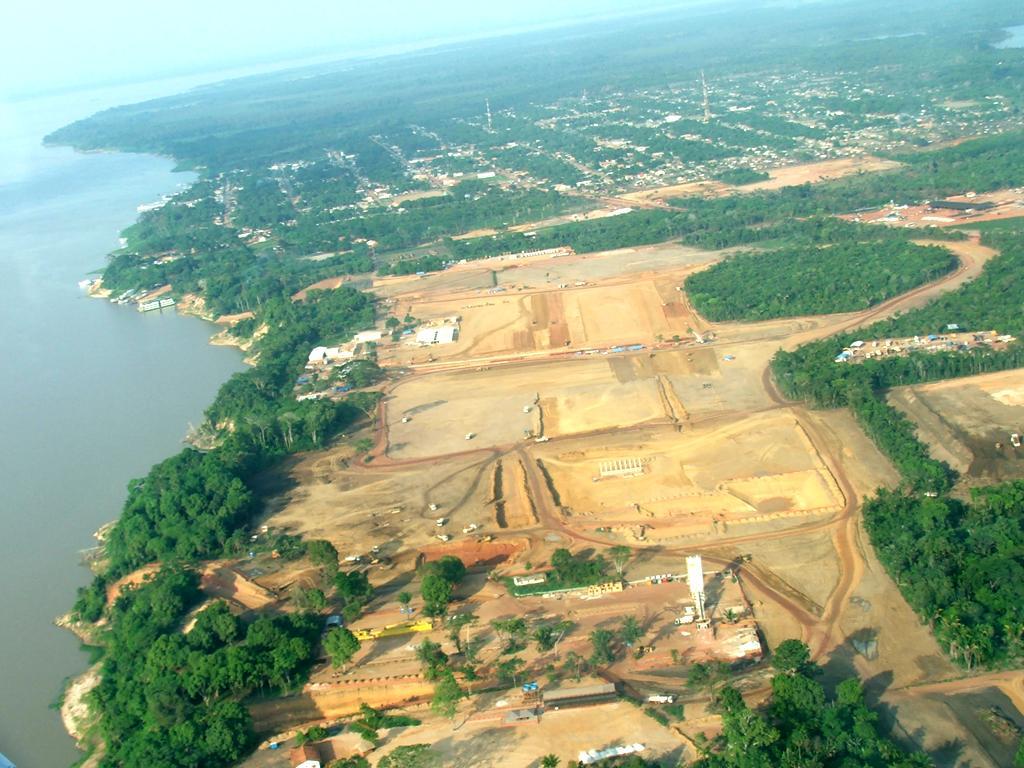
91	394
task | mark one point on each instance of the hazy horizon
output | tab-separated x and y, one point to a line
116	42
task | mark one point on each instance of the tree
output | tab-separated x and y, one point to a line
575	662
511	632
311	599
412	756
353	585
436	592
404	598
352	610
620	555
316	733
548	636
708	677
792	657
288	420
550	761
449	567
432	658
323	555
215	627
603	654
447	695
341	645
357	761
630	630
455	626
508	671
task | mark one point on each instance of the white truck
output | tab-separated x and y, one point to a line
1015	440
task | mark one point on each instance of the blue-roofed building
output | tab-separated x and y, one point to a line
5	763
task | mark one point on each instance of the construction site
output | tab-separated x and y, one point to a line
956	211
515	441
974	424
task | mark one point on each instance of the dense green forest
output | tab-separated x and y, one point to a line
801	725
842	277
173	699
960	565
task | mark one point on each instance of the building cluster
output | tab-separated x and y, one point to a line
953	340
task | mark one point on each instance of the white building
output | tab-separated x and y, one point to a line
365	336
339	353
442	334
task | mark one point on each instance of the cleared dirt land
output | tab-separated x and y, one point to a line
677	449
543	271
968	422
786	176
491	405
567	732
553	319
580	393
694	482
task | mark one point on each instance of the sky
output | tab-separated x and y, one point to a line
70	44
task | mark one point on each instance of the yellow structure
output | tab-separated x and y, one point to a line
394	630
603	589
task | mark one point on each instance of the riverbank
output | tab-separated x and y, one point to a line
119	391
75	713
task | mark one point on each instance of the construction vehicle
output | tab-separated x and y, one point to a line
440	522
443	537
394	630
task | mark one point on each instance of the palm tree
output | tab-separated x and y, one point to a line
549	761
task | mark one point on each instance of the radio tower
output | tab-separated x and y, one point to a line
490	127
707	99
